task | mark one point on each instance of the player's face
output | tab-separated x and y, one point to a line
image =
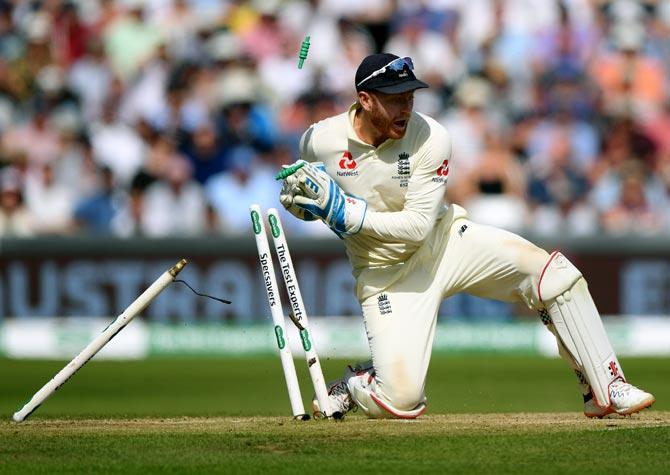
390	113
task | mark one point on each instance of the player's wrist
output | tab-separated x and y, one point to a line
355	210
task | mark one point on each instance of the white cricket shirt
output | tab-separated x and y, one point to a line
403	182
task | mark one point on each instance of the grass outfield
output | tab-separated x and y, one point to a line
487	414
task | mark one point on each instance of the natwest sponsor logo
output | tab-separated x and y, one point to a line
442	172
348	165
347	162
444	169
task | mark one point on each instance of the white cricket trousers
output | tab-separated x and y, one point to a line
400	303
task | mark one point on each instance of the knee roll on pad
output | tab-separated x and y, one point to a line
576	320
374	405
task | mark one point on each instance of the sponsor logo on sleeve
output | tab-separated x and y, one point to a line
442	172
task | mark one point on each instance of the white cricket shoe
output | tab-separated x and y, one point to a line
625	399
339	396
338	391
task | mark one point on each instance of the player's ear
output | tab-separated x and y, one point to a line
365	99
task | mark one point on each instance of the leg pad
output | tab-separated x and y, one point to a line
576	321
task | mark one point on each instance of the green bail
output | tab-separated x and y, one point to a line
286	172
304	49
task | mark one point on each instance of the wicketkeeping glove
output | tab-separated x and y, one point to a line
288	191
313	191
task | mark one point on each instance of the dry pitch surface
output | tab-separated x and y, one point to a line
353	425
458	443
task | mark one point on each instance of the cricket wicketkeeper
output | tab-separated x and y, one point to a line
376	174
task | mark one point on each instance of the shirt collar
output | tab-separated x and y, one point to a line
350	125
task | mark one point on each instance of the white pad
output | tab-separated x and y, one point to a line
373	405
564	292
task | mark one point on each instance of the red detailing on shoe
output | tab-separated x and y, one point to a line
539	282
639	408
632	410
614	371
362	372
395	412
600	415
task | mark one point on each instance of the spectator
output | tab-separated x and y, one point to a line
94	213
90	78
69	35
179	24
497	186
629	78
39	142
76	168
562	123
116	145
128	221
15	220
557	193
354	43
626	147
467	123
263	40
248	181
241	119
11	44
432	52
632	213
49	202
206	152
175	205
129	40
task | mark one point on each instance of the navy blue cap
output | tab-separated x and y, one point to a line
390	81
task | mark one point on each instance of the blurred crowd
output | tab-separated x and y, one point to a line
169	117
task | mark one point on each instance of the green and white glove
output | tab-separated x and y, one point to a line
288	191
311	190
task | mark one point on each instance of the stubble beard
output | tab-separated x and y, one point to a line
383	124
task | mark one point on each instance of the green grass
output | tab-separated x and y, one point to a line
487	414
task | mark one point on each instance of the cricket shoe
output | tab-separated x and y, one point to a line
339	396
625	399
